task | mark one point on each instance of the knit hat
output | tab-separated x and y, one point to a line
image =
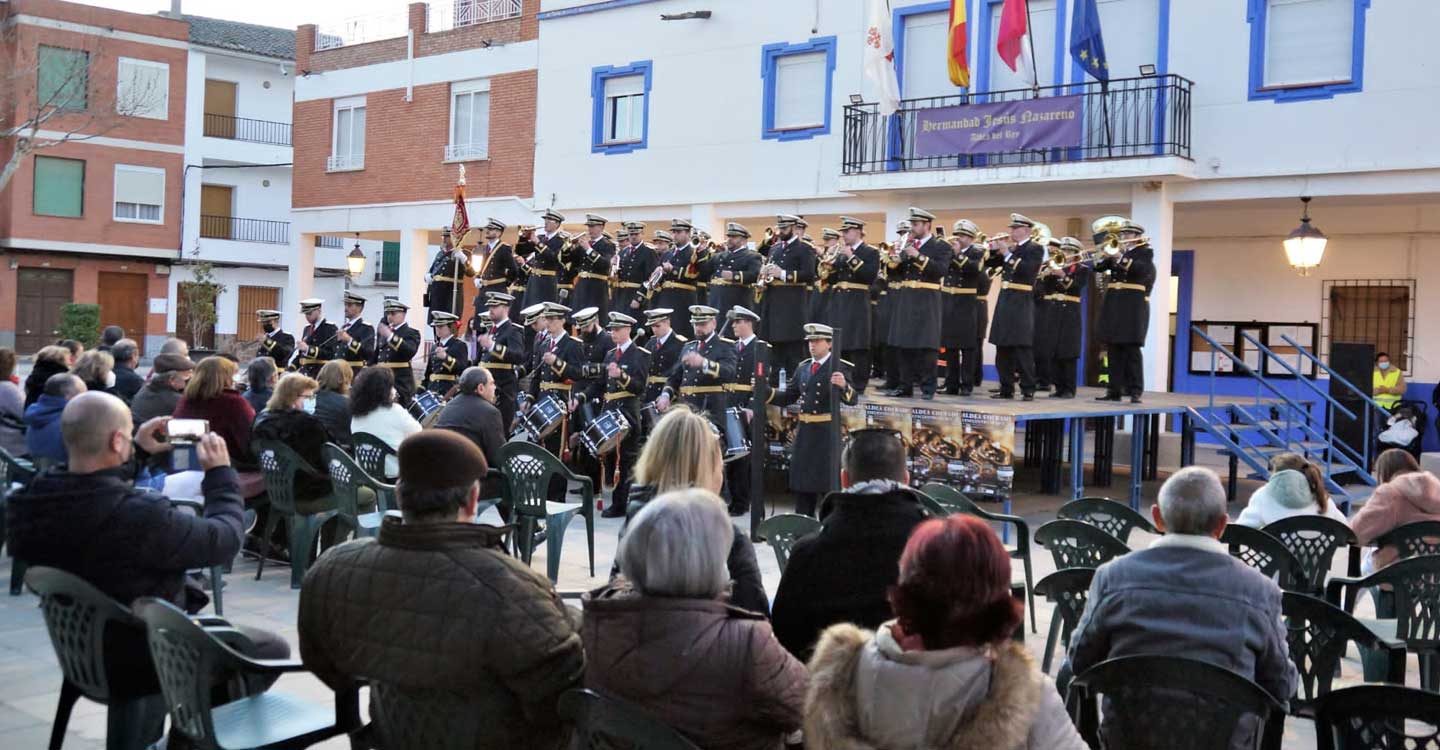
1289	488
439	459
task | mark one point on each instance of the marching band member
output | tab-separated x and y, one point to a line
885	311
525	246
397	345
534	328
962	306
447	272
982	325
854	268
544	262
674	286
1046	310
450	356
274	343
597	343
812	455
499	269
592	267
1068	287
734	270
1125	312
915	322
702	266
1013	333
665	346
317	343
635	264
627	367
820	290
356	337
561	358
785	300
502	352
742	325
707	365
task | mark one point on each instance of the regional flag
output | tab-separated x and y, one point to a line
1011	37
959	68
880	56
460	224
1086	44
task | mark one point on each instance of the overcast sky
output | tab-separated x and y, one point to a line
282	13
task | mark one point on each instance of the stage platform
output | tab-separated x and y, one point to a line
1083	405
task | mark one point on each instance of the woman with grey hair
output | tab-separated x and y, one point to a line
661	637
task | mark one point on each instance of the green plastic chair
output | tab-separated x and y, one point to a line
1068	590
1116	519
602	722
370	452
12	471
945	500
1387	717
1313	540
1317	634
347	477
279	464
1267	554
528	470
190	661
783	530
1416	585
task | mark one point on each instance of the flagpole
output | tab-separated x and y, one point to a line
1105	113
1030	36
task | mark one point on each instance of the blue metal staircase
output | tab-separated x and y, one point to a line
1277	422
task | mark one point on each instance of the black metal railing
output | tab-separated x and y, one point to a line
245	230
1128	118
329	242
245	129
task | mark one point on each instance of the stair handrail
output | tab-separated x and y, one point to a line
1288	368
1335	375
1217	347
1236	447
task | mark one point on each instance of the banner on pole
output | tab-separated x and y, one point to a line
1052	122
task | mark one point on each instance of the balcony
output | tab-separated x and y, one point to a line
245	129
467	151
1131	118
245	230
457	14
345	163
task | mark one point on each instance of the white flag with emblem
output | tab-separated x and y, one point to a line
880	56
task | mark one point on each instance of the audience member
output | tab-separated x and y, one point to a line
290	418
175	346
160	396
662	637
43	440
74	347
683	451
373	410
260	377
1295	488
127	357
473	413
90	520
49	361
1186	596
12	406
944	673
844	572
485	629
1406	494
109	337
211	395
332	401
97	369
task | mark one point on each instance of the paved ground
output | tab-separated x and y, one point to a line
30	679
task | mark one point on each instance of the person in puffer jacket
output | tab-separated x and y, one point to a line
42	418
1288	493
1406	494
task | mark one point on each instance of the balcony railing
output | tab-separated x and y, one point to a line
362	29
455	14
245	129
333	243
466	151
345	163
245	230
1129	118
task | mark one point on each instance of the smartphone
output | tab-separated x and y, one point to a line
186	430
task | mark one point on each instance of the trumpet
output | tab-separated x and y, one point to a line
653	283
1106	233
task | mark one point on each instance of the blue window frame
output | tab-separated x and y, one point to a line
791	74
620	96
1258	14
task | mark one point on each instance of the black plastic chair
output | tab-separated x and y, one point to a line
280	464
1266	554
1415	583
190	661
12	471
370	452
1412	539
1317	633
783	530
603	723
1076	544
1313	540
1067	590
946	500
347	477
529	470
78	617
1170	702
1378	717
1116	519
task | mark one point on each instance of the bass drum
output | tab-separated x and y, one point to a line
605	432
543	418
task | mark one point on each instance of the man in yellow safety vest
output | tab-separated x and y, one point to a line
1388	383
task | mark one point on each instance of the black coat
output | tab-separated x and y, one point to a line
1125	313
622	394
813	453
333	411
786	304
396	354
1065	311
677	289
664	359
635	264
1047	312
842	572
506	360
127	383
592	280
1014	323
479	420
360	352
324	346
446	363
447	272
724	294
743	388
703	388
962	299
541	284
561	376
915	320
278	345
848	298
498	270
306	435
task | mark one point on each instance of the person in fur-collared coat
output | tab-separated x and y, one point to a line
944	673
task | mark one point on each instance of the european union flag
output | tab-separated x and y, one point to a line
1086	44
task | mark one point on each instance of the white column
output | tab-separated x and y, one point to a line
414	262
1153	208
299	281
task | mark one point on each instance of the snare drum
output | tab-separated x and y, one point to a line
424	405
649	416
737	437
605	432
543	418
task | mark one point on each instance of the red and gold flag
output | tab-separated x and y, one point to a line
460	225
959	67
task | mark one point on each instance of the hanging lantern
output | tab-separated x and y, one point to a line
355	261
1305	246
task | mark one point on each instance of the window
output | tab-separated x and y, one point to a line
63	78
797	81
1370	311
1306	49
389	270
139	194
59	187
347	150
469	121
926	37
621	117
142	89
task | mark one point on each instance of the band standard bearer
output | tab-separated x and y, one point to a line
813	452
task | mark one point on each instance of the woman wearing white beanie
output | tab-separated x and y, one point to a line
1296	488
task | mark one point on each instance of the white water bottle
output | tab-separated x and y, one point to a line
783	379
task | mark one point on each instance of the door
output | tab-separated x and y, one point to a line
219	109
216	202
253	298
39	295
123	302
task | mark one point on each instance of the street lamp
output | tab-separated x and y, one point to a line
355	261
1306	245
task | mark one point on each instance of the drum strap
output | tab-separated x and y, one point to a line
617	396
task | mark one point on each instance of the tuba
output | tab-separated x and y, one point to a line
1106	233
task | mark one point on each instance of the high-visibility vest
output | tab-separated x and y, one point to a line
1386	379
1104	377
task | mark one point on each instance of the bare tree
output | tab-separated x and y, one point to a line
51	95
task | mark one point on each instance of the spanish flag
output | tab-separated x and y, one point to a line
959	69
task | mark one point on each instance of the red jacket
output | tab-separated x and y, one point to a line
230	417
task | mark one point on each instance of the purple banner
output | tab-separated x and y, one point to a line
995	128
